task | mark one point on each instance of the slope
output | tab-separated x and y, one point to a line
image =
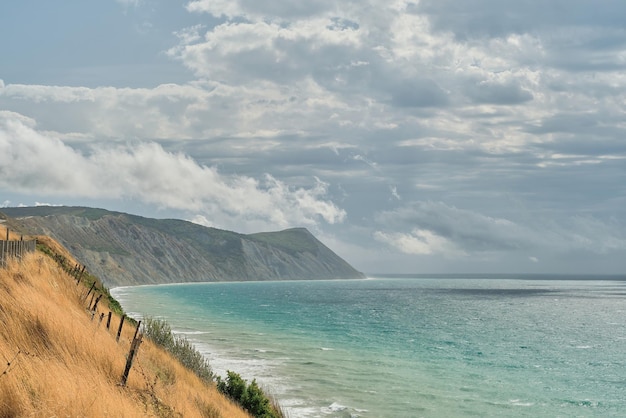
126	249
58	361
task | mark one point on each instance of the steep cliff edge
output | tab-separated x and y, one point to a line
125	249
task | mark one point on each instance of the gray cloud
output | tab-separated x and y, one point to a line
432	135
418	93
576	36
445	229
496	18
509	93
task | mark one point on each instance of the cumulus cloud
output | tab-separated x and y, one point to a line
34	162
463	106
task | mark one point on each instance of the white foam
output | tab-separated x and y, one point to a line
190	332
518	402
334	407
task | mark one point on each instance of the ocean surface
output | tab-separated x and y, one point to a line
410	347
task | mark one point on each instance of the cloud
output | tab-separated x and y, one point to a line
33	162
417	242
576	35
252	9
509	93
468	230
418	93
497	18
439	228
501	124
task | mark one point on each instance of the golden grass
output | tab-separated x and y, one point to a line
12	234
64	364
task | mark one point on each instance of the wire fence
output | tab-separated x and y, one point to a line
19	248
15	249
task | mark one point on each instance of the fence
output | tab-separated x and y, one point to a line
17	249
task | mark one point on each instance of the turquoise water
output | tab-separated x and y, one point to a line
411	347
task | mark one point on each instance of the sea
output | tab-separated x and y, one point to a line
492	346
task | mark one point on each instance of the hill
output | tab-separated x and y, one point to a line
125	249
59	360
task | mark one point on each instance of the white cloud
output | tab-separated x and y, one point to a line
33	162
418	242
394	193
46	204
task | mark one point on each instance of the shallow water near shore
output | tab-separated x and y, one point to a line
410	347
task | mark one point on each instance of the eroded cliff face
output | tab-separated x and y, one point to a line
124	249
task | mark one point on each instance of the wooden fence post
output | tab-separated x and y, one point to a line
119	330
137	329
80	276
109	320
90	289
131	356
95	305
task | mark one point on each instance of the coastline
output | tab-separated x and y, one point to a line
424	340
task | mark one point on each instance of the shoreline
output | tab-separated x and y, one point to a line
416	276
222	360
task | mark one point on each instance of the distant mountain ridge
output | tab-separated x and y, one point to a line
124	249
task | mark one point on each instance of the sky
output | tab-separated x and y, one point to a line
409	136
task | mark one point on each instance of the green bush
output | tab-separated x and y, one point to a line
191	358
250	397
160	333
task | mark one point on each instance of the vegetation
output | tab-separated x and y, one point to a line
290	240
126	249
61	350
160	333
250	397
57	360
89	213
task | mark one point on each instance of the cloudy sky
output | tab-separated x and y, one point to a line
410	136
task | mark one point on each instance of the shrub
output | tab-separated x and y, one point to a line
250	397
160	333
191	358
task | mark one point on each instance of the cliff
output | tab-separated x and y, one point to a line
125	249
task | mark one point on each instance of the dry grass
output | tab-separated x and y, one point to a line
12	234
64	364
